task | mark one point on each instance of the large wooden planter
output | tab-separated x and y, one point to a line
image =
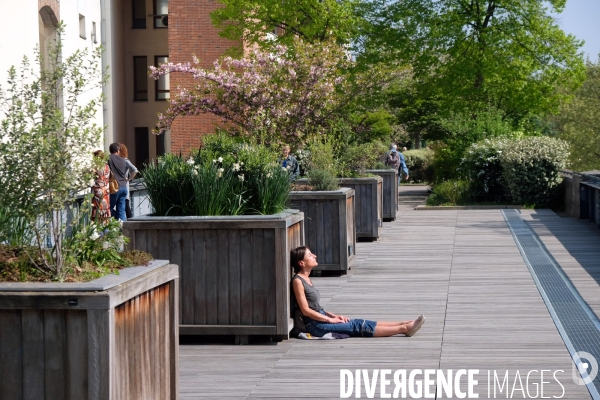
368	193
329	226
235	270
390	191
112	338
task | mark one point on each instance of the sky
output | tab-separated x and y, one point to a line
580	18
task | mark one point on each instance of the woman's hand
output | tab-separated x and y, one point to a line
337	319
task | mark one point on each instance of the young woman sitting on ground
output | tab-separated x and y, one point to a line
320	322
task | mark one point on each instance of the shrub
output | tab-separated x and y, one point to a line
225	177
419	164
321	179
531	168
359	157
482	166
450	193
47	132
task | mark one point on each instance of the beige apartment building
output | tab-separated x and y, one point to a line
135	34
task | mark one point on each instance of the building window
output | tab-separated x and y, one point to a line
82	26
139	14
161	13
160	144
162	84
94	37
140	79
142	151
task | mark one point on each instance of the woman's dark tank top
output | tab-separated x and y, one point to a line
312	295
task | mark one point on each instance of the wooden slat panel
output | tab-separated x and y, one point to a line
213	285
163	237
99	361
178	250
55	352
77	354
32	331
197	271
247	272
223	248
273	265
172	342
335	233
152	242
235	254
11	358
260	268
153	335
163	345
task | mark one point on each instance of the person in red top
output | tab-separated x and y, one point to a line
100	193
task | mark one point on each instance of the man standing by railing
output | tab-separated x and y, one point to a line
118	167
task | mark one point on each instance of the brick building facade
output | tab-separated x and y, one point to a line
192	33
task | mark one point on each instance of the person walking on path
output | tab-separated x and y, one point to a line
131	173
290	163
118	167
319	322
100	193
395	159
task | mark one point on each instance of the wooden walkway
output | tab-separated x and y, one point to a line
462	270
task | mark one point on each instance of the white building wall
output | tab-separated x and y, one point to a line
20	36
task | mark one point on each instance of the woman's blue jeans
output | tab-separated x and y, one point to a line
354	327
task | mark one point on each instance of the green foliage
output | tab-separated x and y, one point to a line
271	188
578	122
531	168
509	53
15	229
93	242
419	164
251	21
356	158
217	191
46	137
460	131
323	168
481	165
321	179
372	125
224	177
169	185
450	193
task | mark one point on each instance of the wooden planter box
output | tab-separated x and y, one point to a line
235	270
390	191
112	338
329	226
368	214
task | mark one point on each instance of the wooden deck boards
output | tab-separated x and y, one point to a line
460	268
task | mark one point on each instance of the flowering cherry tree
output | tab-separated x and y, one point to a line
282	95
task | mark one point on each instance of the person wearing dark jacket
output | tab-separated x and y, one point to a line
290	163
118	167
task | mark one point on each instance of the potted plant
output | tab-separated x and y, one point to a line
328	211
68	327
368	188
221	216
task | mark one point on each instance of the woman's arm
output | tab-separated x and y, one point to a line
306	310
